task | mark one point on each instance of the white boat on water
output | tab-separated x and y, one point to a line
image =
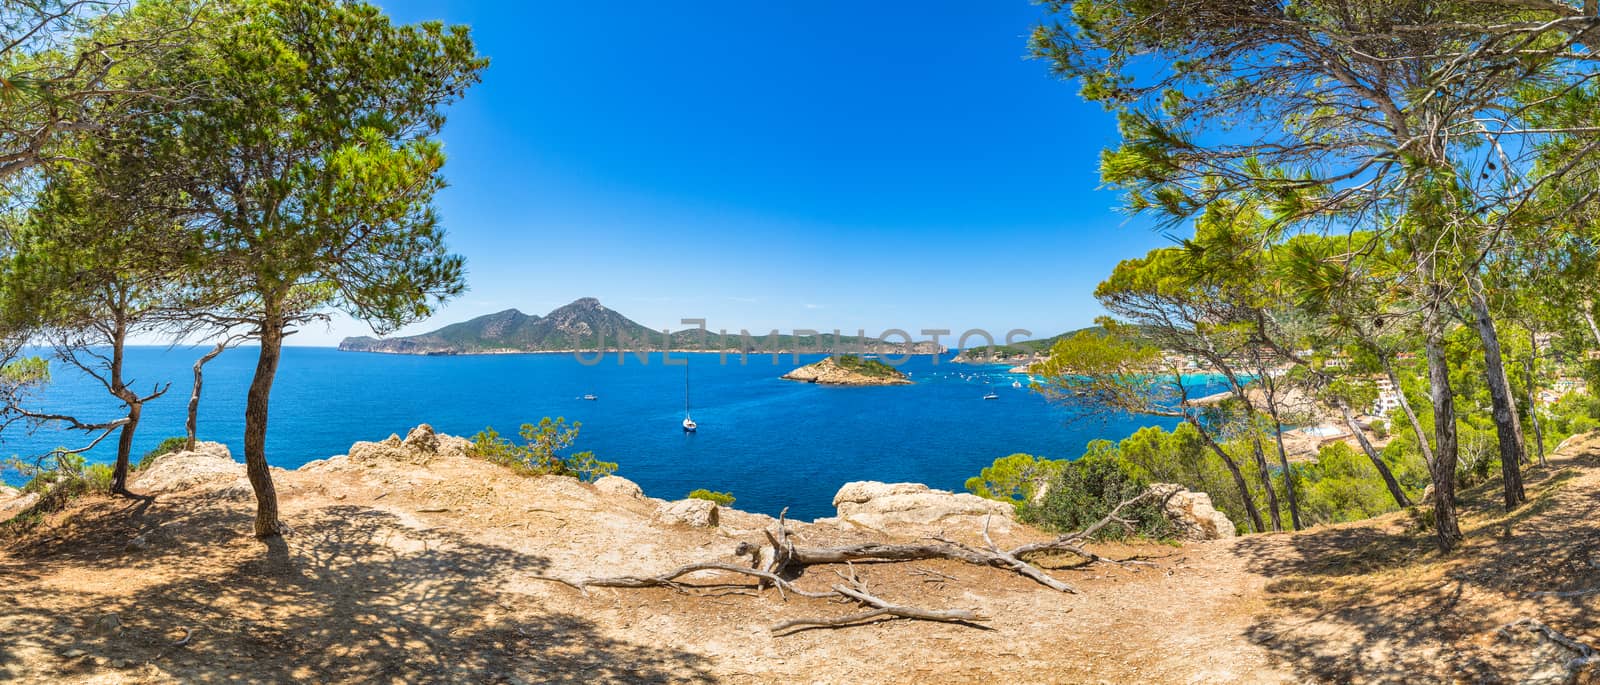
689	426
991	396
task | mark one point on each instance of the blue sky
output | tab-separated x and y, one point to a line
774	165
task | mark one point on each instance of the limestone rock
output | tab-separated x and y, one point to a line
422	439
698	513
14	501
916	508
209	464
619	486
1193	513
420	446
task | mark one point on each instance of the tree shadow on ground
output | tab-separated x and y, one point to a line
354	595
1378	602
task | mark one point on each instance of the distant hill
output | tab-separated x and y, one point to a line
585	324
1022	348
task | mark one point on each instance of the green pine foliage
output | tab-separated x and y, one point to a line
541	453
871	368
1014	478
724	499
173	444
1086	490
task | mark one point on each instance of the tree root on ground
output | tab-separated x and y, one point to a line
778	563
1585	655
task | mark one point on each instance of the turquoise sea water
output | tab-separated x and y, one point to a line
772	443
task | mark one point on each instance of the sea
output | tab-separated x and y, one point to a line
772	443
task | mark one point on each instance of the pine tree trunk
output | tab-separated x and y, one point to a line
1264	474
1533	393
1405	408
1283	456
192	423
1377	459
1443	468
1238	476
119	475
255	426
1588	315
1507	425
119	339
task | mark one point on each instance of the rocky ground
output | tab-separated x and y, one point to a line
412	562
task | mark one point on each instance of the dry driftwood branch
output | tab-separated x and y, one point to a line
857	591
777	563
670	579
1586	655
1567	594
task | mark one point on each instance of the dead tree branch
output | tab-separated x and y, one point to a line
780	561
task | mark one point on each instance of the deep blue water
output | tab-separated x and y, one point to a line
772	443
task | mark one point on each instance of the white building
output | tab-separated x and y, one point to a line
1388	397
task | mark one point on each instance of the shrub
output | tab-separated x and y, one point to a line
1014	478
721	498
867	367
1087	489
58	480
542	453
1341	485
168	446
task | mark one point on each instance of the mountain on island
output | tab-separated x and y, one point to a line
587	325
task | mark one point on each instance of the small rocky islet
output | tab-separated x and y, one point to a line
846	369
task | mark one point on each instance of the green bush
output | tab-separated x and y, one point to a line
721	498
1342	486
1014	478
867	367
1087	489
541	455
168	446
58	480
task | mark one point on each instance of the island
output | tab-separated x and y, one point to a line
848	369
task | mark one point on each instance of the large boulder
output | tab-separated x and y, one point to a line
208	465
1193	513
698	513
916	508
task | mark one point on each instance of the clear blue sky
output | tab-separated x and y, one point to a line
774	165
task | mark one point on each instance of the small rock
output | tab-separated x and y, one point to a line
108	624
72	653
138	543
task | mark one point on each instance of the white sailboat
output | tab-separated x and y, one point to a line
689	426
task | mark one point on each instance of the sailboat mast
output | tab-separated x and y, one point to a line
686	389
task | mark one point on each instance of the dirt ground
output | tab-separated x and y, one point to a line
418	573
